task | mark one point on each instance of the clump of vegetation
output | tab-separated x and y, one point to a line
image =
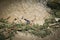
7	30
40	30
